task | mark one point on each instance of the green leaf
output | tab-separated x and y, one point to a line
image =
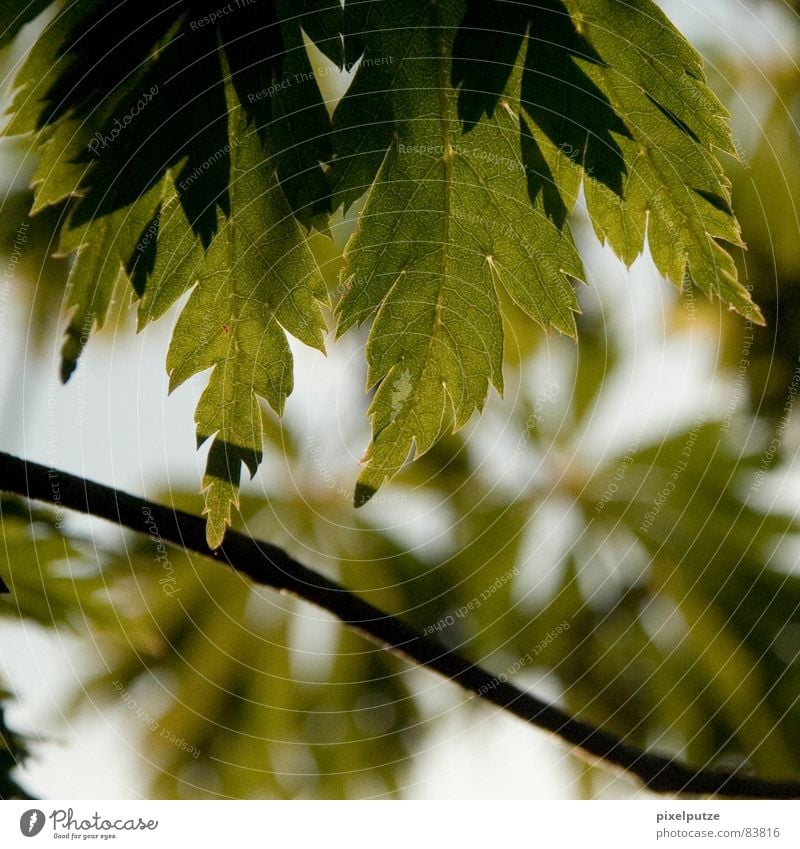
447	221
256	281
300	131
471	127
179	179
674	188
60	146
485	53
103	249
59	169
363	122
604	94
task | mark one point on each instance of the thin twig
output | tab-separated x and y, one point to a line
269	565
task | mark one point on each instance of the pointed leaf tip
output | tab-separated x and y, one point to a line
363	494
215	533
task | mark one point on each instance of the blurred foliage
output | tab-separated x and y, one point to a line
13	753
666	557
27	252
244	716
665	613
766	188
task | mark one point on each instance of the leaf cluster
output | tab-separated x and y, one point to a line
197	157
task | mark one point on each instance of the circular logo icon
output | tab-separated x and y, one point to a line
31	822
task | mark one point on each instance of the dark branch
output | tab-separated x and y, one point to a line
273	567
